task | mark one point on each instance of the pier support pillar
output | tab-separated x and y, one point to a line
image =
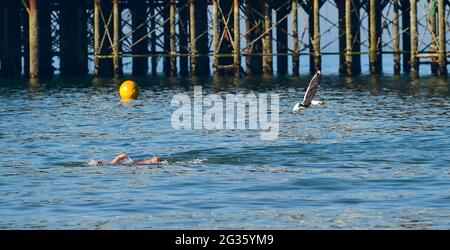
166	36
103	38
406	35
193	36
282	38
138	9
414	40
46	68
154	58
1	36
356	37
348	38
396	41
34	38
267	41
254	29
10	42
183	27
375	36
342	34
73	38
237	40
24	18
202	37
316	38
295	54
434	38
226	61
215	19
173	46
442	39
117	60
96	36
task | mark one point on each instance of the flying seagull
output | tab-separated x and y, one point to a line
314	85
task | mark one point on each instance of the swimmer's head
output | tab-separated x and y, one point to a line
94	163
129	90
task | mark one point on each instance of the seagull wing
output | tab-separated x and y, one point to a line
312	89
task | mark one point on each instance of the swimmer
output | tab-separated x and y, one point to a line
124	159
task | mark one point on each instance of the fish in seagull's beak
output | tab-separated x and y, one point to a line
298	107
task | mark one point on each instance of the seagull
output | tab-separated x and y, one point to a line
310	94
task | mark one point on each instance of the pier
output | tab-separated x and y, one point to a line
39	38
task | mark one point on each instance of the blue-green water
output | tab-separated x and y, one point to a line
375	156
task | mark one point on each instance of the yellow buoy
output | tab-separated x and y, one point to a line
129	90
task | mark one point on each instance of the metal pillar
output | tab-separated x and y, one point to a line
193	36
295	54
396	42
183	27
442	39
34	38
73	38
10	44
173	46
316	36
375	37
237	40
414	39
202	41
138	9
406	36
215	36
154	59
267	53
348	37
282	37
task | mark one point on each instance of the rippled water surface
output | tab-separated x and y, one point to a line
376	155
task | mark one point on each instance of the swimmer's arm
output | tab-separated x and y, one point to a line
153	160
118	159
